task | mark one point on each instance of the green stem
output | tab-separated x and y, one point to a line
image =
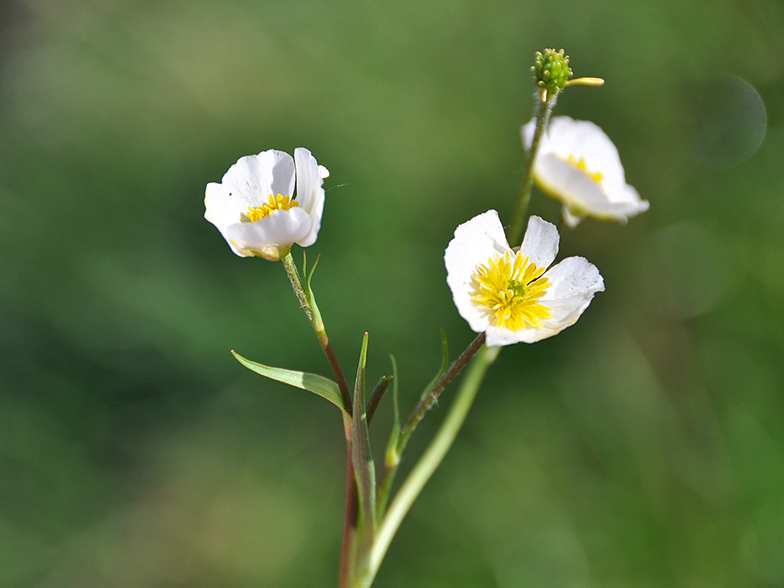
385	485
314	316
349	543
430	460
544	109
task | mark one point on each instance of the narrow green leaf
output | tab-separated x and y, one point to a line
309	276
444	365
363	461
320	385
378	394
316	320
395	402
392	455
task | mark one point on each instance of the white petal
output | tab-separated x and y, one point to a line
310	194
581	192
475	242
585	141
255	177
219	208
497	337
634	205
308	177
573	283
540	243
571	277
315	222
527	133
569	183
279	230
570	219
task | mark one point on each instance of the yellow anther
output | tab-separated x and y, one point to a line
597	176
507	289
584	82
275	203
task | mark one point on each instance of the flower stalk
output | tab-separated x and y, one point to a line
348	556
308	303
544	109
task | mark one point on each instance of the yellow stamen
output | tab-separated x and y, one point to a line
507	289
597	177
275	203
584	82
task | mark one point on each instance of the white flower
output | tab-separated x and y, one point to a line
253	206
507	293
579	165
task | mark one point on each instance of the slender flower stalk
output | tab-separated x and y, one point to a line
431	397
307	303
544	109
349	542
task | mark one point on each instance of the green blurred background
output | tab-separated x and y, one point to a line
643	447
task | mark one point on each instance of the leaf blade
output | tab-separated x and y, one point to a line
364	467
314	383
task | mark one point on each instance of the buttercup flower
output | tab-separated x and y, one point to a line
578	164
509	294
253	206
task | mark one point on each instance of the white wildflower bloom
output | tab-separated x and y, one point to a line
578	164
510	294
254	208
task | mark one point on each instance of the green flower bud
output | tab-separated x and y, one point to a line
551	70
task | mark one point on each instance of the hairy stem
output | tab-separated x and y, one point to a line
542	112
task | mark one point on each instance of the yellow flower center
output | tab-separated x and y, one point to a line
597	177
507	289
275	203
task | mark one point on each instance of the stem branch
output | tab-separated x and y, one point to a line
431	459
432	396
